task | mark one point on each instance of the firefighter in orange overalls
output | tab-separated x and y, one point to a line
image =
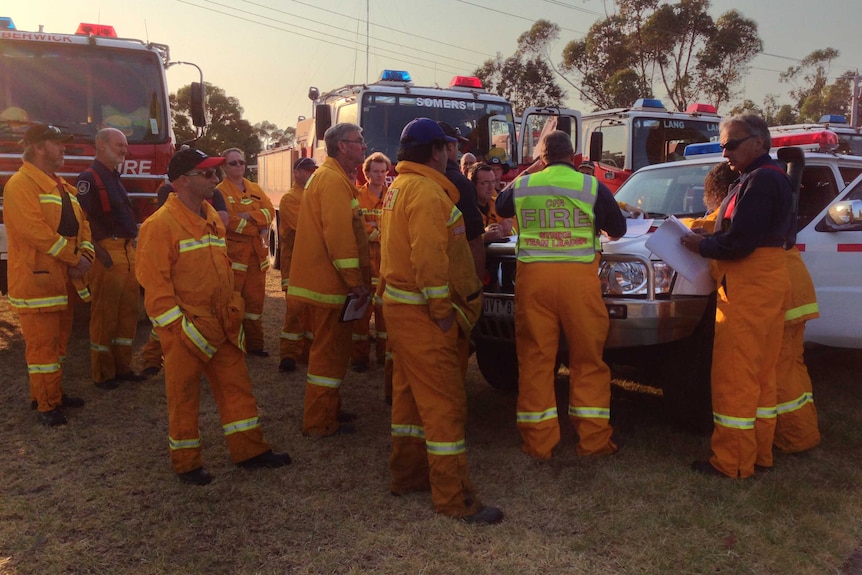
250	214
431	298
796	426
561	213
49	253
370	197
751	269
294	335
330	260
185	271
114	311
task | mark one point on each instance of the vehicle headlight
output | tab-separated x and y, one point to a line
630	278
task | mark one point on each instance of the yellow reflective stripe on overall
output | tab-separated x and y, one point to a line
733	422
453	216
798	403
402	430
436	292
536	416
43	367
238	267
315	296
99	348
251	316
346	263
51	199
241	425
58	246
590	412
404	296
197	338
168	317
38	302
446	447
800	311
121	341
267	215
323	381
767	412
84	294
206	241
85	245
177	444
292	336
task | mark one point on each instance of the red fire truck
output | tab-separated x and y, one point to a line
81	83
626	139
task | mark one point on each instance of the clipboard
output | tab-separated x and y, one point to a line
352	310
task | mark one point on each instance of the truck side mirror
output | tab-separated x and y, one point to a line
322	120
596	144
198	104
564	123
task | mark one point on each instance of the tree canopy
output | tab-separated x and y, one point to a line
226	129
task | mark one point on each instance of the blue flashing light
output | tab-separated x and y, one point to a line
694	150
649	103
6	23
832	119
395	76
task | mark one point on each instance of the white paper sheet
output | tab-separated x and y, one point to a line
693	267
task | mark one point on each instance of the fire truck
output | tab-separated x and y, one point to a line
383	108
81	83
624	140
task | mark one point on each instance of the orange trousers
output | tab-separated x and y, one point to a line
749	323
796	428
250	281
46	335
429	410
295	338
114	310
327	365
550	295
227	374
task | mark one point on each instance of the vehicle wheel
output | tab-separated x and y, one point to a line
274	249
685	375
498	364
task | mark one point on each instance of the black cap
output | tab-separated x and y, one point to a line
452	132
187	159
304	164
41	132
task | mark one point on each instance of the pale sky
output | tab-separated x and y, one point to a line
267	53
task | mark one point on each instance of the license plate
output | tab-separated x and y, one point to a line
498	307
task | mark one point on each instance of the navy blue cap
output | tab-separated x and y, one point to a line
422	131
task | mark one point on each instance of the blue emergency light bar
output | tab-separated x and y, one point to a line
395	76
6	23
649	103
694	150
832	119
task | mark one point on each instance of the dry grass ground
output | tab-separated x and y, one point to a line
99	496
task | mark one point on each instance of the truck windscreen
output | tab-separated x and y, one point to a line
82	89
385	115
659	140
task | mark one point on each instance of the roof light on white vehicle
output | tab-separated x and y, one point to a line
648	104
832	119
703	149
813	141
395	76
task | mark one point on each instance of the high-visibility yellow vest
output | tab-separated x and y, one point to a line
556	216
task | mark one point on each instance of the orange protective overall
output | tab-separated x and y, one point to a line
114	312
330	258
39	259
749	323
249	258
184	269
295	334
550	295
428	275
796	428
370	210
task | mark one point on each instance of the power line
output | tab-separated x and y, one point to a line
571	7
513	15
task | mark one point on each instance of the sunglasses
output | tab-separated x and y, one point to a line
731	145
236	163
205	173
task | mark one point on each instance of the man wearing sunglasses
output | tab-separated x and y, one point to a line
250	214
750	266
114	311
330	260
49	245
184	269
